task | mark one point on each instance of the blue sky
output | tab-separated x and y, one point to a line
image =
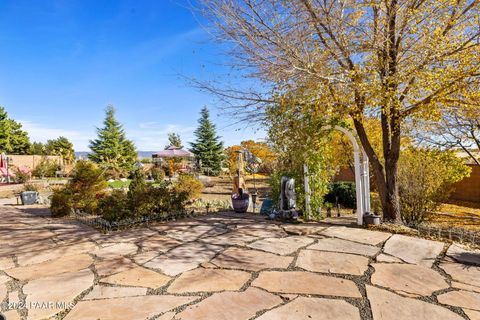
62	62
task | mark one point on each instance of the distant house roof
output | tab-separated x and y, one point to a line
173	152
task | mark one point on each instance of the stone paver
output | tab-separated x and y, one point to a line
356	235
195	232
303	229
183	258
110	266
29	258
463	299
230	238
251	260
413	250
473	315
116	250
103	292
386	258
345	246
462	273
464	286
297	282
464	255
11	315
159	243
43	269
6	263
408	279
386	306
138	277
231	306
58	290
126	308
209	280
311	308
332	262
282	246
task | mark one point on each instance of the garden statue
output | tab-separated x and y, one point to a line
287	199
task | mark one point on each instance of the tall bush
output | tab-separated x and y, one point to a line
83	191
425	181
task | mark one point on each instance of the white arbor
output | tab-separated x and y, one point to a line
362	175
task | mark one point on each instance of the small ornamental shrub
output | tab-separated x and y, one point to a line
114	206
157	174
189	185
82	191
22	175
61	203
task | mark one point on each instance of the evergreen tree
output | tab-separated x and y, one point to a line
37	148
12	138
112	150
61	147
174	140
208	148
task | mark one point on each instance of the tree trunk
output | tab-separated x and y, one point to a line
386	179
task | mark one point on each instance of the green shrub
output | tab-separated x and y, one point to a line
189	185
343	192
61	203
157	174
82	191
426	178
114	206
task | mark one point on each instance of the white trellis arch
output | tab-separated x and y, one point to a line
362	175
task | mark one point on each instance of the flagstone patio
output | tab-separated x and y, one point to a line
228	266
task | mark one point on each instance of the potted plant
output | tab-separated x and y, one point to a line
29	195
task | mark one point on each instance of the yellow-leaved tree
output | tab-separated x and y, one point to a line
394	60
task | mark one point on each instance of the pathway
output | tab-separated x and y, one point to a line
228	267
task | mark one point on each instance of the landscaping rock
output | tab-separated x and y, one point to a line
209	280
298	282
313	308
463	299
138	277
408	279
251	260
281	246
413	250
231	306
387	306
345	246
126	308
332	262
357	235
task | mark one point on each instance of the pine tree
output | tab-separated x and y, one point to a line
112	150
174	140
12	138
208	148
